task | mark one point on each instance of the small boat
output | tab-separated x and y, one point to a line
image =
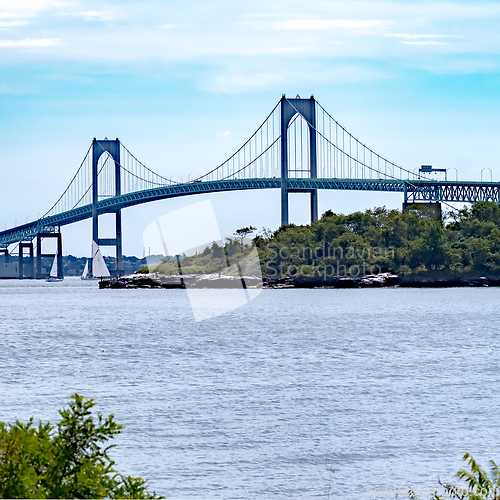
99	267
53	272
87	275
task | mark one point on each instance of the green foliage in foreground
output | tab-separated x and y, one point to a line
68	460
478	484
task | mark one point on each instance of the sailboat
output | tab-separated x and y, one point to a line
53	272
86	274
99	267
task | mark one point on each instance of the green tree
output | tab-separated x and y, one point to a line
478	484
486	211
68	460
480	252
435	245
243	232
414	240
217	250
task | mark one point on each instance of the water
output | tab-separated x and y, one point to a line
300	394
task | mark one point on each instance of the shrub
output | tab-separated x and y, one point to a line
68	460
479	484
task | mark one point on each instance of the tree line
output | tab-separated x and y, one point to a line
418	240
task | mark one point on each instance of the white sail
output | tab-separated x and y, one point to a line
99	267
53	270
85	273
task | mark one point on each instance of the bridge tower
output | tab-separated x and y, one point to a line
307	109
98	149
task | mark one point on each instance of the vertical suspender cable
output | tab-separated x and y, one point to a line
301	164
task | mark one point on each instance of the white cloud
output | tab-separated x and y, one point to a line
306	74
203	36
34	43
421	39
426	42
231	82
93	15
325	24
227	133
96	15
412	36
27	8
12	24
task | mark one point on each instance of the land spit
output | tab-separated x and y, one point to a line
155	280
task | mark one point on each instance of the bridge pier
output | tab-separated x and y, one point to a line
307	109
314	205
284	203
5	251
29	246
58	254
113	148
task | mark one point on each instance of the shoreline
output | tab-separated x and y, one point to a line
211	281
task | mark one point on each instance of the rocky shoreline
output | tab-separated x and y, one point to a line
382	280
155	280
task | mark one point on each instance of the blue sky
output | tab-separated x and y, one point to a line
184	83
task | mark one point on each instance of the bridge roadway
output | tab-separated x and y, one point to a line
414	191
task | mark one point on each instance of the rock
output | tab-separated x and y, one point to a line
154	280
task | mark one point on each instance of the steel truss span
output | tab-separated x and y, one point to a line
416	191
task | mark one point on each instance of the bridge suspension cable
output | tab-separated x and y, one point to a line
339	155
155	179
61	204
257	158
339	161
135	176
337	165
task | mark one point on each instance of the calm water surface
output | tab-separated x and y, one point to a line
299	394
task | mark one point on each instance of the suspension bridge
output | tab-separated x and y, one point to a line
299	148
